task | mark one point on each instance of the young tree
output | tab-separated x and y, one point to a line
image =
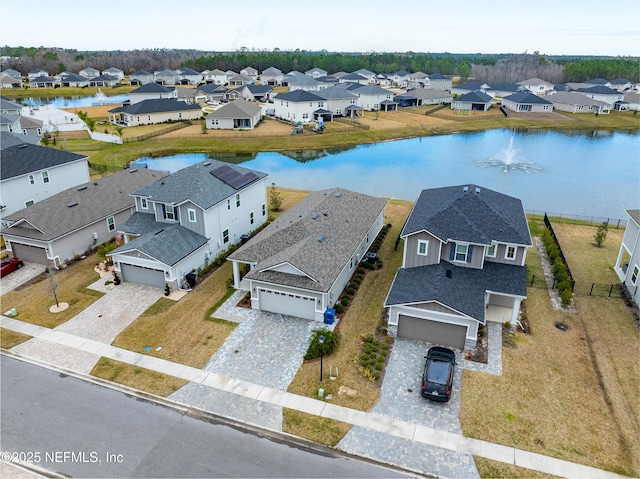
601	234
276	199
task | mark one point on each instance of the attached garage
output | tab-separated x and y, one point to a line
287	303
435	332
30	254
141	275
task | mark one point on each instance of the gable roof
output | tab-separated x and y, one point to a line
151	88
464	290
197	183
271	71
336	93
470	85
597	81
141	73
75	208
298	96
212	88
438	76
239	108
370	90
6	104
20	158
528	98
258	89
574	98
469	213
476	96
317	236
599	90
155	106
188	71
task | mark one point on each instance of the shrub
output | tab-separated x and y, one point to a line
385	346
379	367
376	375
329	345
339	308
553	252
345	302
565	296
351	291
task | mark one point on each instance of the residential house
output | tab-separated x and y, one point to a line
190	95
316	73
10	114
31	173
525	101
337	101
500	90
74	80
424	96
35	73
42	81
151	91
463	264
574	102
399	78
75	220
89	72
597	82
32	128
329	80
104	80
141	77
236	115
537	86
298	106
10	78
602	93
150	112
305	82
187	76
300	263
262	93
369	75
621	84
185	220
114	72
238	80
271	76
166	76
214	92
630	101
475	100
416	80
373	98
627	265
353	78
215	76
250	73
438	81
469	87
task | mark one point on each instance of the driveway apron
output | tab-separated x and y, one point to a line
20	276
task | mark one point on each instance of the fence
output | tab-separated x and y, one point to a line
603	290
355	123
547	223
174	127
579	219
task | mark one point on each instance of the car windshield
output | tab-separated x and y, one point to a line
438	372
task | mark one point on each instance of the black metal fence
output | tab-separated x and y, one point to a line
579	219
581	288
547	223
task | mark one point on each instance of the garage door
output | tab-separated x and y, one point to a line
140	275
284	303
435	332
30	254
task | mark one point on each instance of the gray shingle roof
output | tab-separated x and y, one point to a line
464	291
340	217
452	213
151	88
298	96
195	183
370	90
475	96
100	199
599	89
528	98
239	108
336	93
168	243
156	106
20	158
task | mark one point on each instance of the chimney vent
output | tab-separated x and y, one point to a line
448	273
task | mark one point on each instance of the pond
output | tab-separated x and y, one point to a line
77	102
581	173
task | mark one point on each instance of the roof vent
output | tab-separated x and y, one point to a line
24	145
303	214
338	194
206	163
133	170
315	216
477	190
72	204
448	273
321	238
81	187
465	189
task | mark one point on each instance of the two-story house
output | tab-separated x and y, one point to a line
373	97
300	263
141	77
627	265
186	219
297	106
271	76
31	173
463	265
151	91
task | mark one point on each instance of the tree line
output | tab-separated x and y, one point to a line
489	68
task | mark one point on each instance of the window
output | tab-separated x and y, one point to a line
45	177
423	247
228	204
634	275
251	217
169	212
461	252
32	180
111	223
545	107
510	253
29	202
225	236
191	213
305	116
143	203
264	209
491	251
238	200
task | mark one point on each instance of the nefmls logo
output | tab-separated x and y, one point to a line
72	456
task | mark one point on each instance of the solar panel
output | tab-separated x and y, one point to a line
234	178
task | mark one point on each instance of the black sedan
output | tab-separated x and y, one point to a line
438	374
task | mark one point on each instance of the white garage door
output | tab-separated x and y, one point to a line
285	303
435	332
30	254
140	275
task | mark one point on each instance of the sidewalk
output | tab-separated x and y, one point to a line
270	396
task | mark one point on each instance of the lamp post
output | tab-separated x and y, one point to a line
321	341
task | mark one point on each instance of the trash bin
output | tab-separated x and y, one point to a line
329	316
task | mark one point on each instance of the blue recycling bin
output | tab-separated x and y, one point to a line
329	316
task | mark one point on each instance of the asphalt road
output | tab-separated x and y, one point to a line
80	429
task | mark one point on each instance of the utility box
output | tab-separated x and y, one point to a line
329	316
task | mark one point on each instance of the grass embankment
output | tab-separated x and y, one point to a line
9	339
69	92
551	398
33	299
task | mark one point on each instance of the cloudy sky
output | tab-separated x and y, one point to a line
583	27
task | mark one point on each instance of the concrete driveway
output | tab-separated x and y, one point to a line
20	276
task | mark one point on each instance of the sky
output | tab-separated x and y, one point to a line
551	27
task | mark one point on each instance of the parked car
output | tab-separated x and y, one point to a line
437	378
8	265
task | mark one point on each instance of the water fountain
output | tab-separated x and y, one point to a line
99	99
511	158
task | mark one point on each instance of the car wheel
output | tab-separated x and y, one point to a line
19	265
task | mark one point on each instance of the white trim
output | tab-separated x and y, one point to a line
191	215
515	252
426	247
495	250
466	253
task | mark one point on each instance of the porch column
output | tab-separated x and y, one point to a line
516	310
236	275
